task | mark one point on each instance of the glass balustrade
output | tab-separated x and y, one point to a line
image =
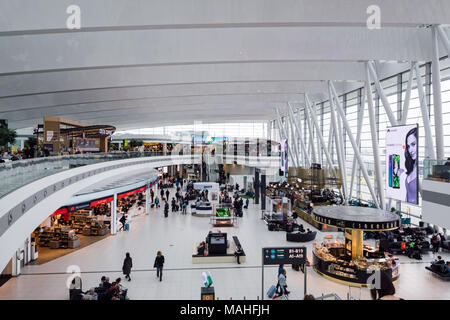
436	170
16	174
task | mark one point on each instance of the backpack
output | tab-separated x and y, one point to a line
434	239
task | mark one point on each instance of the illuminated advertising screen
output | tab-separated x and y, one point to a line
402	172
87	144
284	155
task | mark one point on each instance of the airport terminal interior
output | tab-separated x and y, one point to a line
225	150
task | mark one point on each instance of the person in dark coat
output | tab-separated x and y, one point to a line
127	265
159	263
166	209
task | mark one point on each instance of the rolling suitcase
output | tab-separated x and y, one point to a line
272	291
127	227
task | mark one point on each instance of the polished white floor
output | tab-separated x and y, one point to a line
175	236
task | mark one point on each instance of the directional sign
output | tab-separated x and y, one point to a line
284	255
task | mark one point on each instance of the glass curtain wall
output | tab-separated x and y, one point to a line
395	88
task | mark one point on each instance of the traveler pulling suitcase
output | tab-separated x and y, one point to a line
271	291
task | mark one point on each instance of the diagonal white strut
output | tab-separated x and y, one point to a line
356	151
299	136
322	141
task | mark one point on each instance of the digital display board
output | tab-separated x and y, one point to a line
402	158
273	256
284	155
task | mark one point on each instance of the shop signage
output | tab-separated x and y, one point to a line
346	224
59	211
130	193
80	206
101	201
273	256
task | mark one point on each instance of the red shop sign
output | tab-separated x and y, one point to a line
130	193
102	201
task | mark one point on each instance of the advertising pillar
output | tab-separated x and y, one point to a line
147	199
257	185
263	192
114	215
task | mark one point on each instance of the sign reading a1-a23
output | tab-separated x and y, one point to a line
284	255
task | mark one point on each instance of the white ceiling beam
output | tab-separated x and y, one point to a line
189	46
26	16
179	74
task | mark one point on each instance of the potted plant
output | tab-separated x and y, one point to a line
6	136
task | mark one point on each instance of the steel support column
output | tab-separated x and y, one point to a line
444	38
408	94
294	138
374	134
306	158
310	130
298	130
382	95
283	134
429	147
437	97
357	154
358	138
337	139
322	141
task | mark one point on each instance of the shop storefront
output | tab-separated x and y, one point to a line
348	260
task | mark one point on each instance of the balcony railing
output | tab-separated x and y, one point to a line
436	170
16	174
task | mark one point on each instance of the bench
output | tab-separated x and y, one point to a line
443	276
300	237
228	258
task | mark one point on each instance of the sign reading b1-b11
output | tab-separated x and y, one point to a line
284	255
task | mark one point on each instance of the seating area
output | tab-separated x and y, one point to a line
440	269
300	236
412	242
103	292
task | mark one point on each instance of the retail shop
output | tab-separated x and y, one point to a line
92	215
66	136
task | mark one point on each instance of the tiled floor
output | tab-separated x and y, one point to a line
175	236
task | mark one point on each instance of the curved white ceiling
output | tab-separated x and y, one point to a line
151	63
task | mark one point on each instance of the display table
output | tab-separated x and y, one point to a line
351	262
223	216
218	250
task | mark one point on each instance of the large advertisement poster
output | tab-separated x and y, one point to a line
87	144
402	174
284	155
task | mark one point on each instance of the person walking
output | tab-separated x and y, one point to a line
152	194
435	242
238	252
184	205
127	265
123	221
166	209
173	204
280	270
159	263
157	202
282	283
162	193
167	194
